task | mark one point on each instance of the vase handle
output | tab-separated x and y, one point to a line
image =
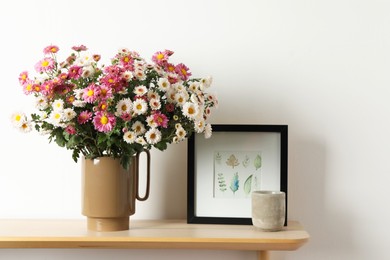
146	196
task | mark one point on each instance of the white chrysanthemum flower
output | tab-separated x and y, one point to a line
181	133
206	82
179	87
79	103
123	91
140	140
195	98
213	98
140	106
193	87
207	131
124	106
84	60
18	119
138	128
139	64
58	104
178	125
199	116
155	103
88	71
153	94
129	137
170	95
140	74
200	96
163	84
43	115
190	110
176	140
140	90
123	51
69	114
150	121
41	102
207	113
56	117
153	136
159	70
127	75
199	125
25	127
78	93
180	98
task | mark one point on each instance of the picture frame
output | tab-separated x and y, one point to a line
224	169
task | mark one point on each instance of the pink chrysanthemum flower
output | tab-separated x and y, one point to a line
96	57
28	87
126	60
170	107
47	87
103	121
161	57
170	67
51	49
110	80
84	117
79	48
70	130
37	88
23	77
75	72
105	92
44	65
183	71
160	119
91	93
103	106
126	117
173	78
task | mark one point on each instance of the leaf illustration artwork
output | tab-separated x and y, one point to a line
218	158
232	161
257	162
221	182
248	185
234	183
246	161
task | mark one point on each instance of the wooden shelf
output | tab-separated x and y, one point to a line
149	234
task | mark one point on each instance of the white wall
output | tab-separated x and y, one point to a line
322	67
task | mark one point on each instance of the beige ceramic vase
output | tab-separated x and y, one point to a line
109	192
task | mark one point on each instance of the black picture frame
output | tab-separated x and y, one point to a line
202	205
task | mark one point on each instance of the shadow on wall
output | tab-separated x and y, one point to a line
330	229
168	184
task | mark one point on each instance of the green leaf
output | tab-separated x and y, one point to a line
257	162
76	155
74	141
161	146
101	138
248	184
60	139
125	161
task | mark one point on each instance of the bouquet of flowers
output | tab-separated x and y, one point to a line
118	109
